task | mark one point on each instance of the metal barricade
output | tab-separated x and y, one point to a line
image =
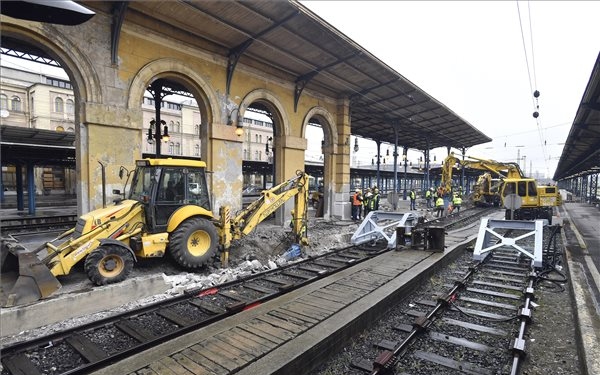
380	225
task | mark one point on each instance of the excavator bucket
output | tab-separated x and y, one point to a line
24	278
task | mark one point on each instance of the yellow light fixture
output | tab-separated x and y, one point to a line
165	136
239	130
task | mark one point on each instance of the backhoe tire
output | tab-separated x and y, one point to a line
108	264
194	243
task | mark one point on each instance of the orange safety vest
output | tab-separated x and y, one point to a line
355	200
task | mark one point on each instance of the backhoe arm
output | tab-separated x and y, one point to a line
270	200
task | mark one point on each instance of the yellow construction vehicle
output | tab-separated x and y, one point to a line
537	202
502	179
167	210
486	190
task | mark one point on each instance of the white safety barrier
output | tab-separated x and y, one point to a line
382	225
488	239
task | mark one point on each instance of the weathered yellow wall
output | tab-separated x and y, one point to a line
106	145
109	118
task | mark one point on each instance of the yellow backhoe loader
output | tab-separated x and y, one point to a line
167	210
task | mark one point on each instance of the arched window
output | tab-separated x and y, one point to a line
256	155
172	126
197	129
3	101
256	138
177	148
70	106
178	127
58	105
197	149
16	104
70	129
171	148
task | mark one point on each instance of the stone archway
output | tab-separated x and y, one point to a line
87	89
178	71
281	123
285	150
330	148
212	113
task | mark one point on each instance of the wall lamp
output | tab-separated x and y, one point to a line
164	136
355	144
239	127
267	148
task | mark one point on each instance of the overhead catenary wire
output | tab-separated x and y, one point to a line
525	51
533	85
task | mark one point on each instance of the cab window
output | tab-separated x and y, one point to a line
141	184
509	188
522	188
532	189
171	186
197	191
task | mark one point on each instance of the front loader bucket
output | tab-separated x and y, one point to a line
24	278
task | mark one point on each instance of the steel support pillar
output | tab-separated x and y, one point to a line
30	188
405	156
594	187
1	187
379	165
19	177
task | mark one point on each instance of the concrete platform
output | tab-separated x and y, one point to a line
581	236
288	334
78	303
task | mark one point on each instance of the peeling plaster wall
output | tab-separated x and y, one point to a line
227	184
106	148
110	117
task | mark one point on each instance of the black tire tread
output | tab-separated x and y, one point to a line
178	243
94	258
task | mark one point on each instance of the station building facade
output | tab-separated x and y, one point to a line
40	101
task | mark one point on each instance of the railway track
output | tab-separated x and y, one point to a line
471	319
38	223
83	349
86	348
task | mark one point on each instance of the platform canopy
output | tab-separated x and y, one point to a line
581	154
289	41
38	146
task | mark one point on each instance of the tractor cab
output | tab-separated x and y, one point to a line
165	186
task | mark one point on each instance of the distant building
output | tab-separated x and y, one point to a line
40	101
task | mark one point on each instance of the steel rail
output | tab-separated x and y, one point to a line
15	360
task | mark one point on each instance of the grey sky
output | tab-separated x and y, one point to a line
470	56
